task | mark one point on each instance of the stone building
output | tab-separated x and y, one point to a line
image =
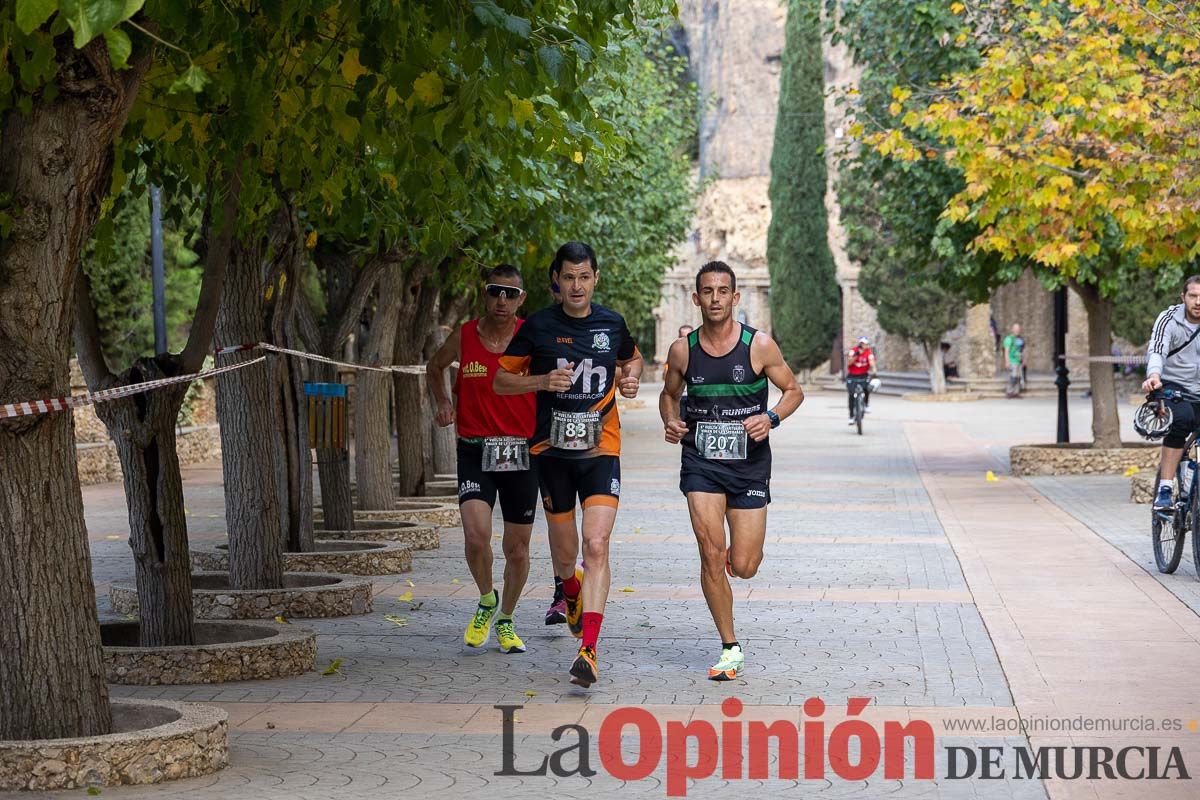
735	49
735	58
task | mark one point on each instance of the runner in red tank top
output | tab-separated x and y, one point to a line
493	454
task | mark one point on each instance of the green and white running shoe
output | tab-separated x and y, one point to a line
729	666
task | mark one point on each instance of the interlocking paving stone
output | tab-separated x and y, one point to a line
860	595
1102	503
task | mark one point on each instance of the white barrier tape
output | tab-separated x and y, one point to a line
237	348
53	404
1109	359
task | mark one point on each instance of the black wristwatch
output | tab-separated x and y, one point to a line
771	415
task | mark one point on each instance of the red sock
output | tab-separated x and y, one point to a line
591	628
571	586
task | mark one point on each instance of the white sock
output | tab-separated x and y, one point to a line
1163	483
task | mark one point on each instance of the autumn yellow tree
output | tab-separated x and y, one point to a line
1078	138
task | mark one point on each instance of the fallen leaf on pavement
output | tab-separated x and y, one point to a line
627	589
991	476
530	693
401	621
334	667
406	597
1132	471
282	620
456	581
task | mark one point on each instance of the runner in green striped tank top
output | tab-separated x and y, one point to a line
726	460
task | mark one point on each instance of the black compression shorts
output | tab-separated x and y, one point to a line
518	491
595	480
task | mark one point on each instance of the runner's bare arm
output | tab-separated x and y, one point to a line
436	375
765	352
631	374
668	401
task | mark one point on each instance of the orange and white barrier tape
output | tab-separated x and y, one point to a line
238	348
48	406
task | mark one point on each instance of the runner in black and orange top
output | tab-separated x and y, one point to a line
493	454
576	355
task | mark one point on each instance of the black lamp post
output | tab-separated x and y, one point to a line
1060	352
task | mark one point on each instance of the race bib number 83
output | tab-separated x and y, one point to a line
721	441
574	431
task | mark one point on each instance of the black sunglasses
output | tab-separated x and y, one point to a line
500	290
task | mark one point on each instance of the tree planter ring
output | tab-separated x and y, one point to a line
426	510
224	651
152	741
414	534
1082	459
313	595
441	488
348	557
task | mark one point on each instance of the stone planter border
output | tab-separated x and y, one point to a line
270	650
427	510
157	741
1141	486
340	596
1081	459
347	556
413	534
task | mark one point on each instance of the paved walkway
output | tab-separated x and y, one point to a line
893	571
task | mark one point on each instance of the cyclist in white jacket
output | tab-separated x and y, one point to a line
1173	361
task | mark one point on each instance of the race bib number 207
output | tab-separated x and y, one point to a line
574	430
721	441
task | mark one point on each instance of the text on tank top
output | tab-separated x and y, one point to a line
480	412
723	388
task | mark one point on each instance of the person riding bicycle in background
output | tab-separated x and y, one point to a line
860	368
1173	361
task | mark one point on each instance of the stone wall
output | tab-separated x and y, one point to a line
199	441
735	52
1082	459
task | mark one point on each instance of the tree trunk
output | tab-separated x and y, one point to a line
417	321
1106	423
372	432
245	409
441	443
143	429
55	165
937	370
347	290
293	459
411	422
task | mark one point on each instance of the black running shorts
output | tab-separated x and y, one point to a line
744	493
518	491
595	480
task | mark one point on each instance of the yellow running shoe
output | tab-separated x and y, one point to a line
575	608
481	625
509	641
584	671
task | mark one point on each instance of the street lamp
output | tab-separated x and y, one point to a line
1060	360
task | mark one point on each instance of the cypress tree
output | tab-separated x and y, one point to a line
805	306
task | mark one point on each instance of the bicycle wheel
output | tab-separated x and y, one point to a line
1194	526
1167	537
859	405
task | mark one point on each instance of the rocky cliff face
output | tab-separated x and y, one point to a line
735	50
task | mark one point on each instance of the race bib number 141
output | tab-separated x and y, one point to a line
505	454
